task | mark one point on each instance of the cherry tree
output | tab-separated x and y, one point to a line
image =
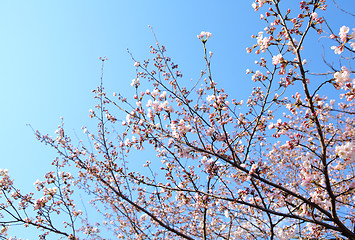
278	165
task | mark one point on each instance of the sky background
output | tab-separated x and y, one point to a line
49	60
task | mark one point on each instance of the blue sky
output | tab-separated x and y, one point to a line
50	63
49	60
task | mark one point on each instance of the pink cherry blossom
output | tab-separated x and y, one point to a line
343	33
314	15
337	50
277	59
204	35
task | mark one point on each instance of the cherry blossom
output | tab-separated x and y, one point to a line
337	50
277	59
346	152
343	33
204	35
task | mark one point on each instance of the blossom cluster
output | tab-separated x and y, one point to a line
258	4
344	37
263	42
343	79
135	82
5	181
204	36
180	128
277	59
346	152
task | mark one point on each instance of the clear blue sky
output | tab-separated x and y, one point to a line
49	60
50	51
